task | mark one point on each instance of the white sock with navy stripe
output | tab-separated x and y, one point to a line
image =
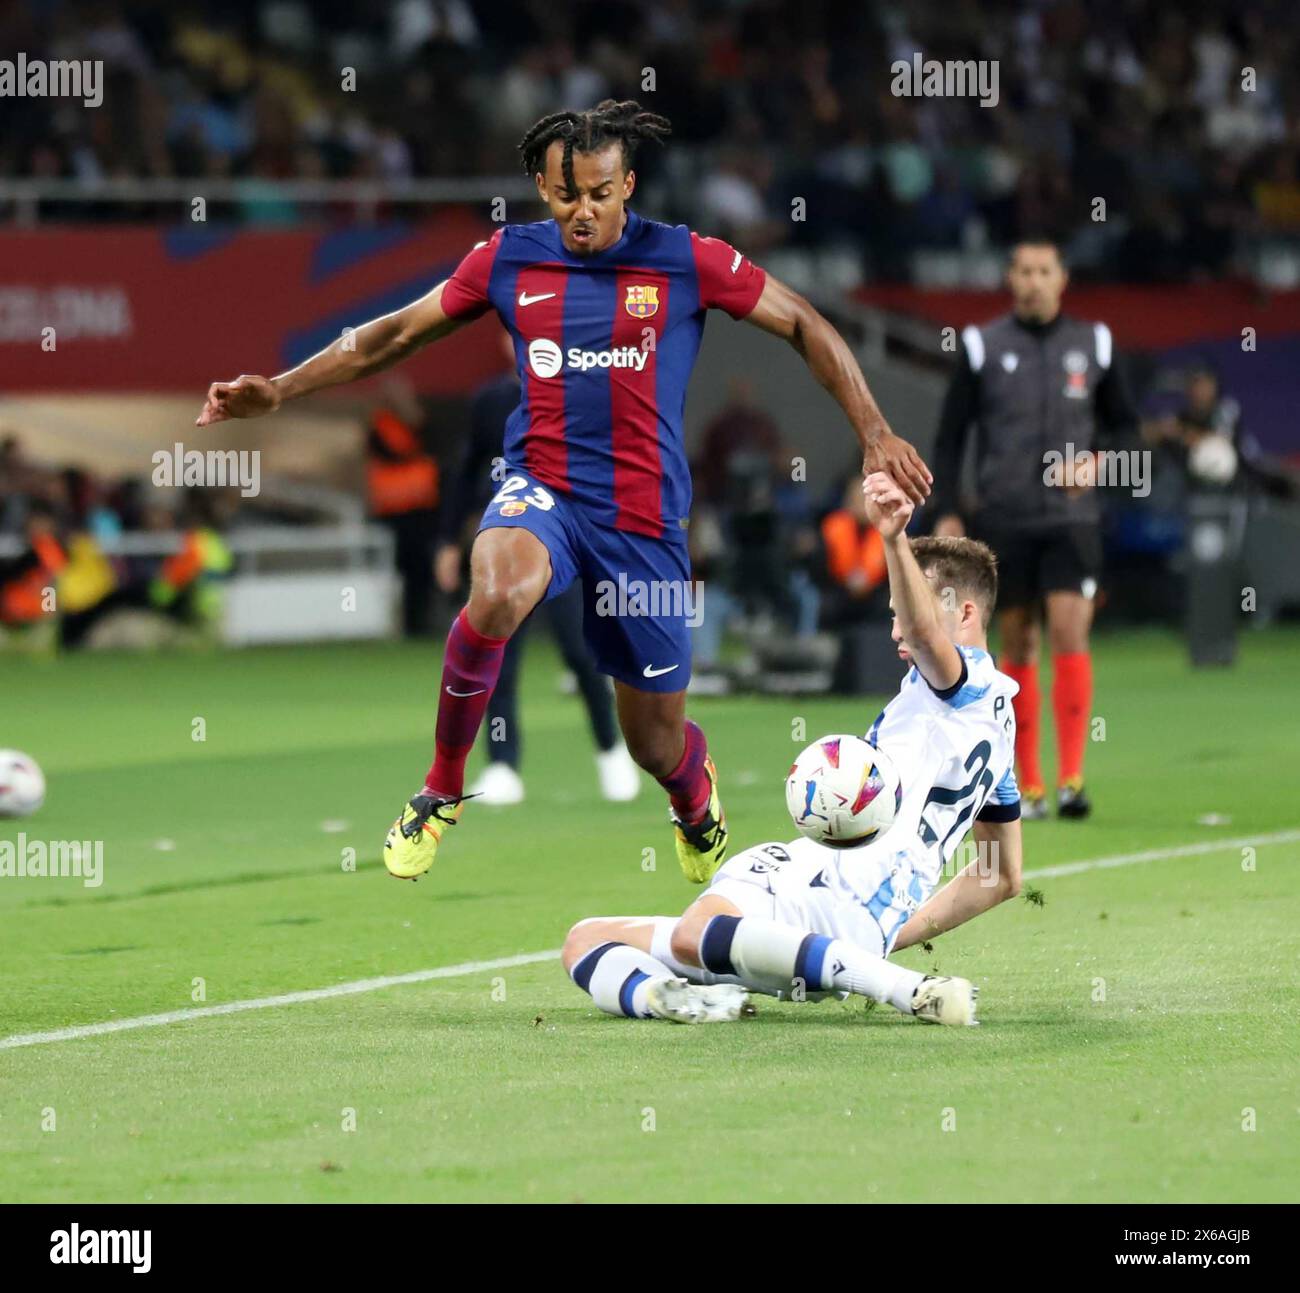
661	948
616	976
763	950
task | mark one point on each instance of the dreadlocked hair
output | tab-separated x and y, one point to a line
588	132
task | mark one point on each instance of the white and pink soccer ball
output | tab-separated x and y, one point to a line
22	784
842	792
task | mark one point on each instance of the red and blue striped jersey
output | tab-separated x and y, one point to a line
605	345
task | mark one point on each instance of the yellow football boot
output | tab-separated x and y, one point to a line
702	845
413	839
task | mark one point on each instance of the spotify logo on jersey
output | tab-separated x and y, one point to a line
544	357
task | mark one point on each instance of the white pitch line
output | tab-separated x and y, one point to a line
265	1003
1158	855
532	958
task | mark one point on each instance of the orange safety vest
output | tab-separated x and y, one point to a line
183	567
850	547
409	484
22	599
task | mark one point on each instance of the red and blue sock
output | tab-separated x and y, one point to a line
469	673
688	783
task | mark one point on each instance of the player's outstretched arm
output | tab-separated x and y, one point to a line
369	349
784	313
993	877
911	596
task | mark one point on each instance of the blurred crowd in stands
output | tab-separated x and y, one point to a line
1183	117
63	568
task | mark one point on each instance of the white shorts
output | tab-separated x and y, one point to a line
860	895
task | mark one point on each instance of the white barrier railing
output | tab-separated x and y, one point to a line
291	583
363	547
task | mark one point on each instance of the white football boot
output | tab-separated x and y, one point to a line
690	1003
498	784
620	778
939	999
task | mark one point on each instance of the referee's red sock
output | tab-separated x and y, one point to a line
470	670
688	784
1072	704
1026	705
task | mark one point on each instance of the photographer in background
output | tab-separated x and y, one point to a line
1206	439
753	537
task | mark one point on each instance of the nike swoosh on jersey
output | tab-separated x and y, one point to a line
525	299
651	672
463	694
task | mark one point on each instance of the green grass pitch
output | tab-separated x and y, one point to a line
507	1084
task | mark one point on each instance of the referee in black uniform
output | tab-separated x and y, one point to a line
1036	383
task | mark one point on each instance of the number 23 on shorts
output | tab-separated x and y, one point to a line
509	493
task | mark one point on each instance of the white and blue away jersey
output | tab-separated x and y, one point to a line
955	752
955	755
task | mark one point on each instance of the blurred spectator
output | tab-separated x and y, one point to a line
187	584
1205	441
733	202
739	427
15	485
1277	193
854	552
751	537
402	483
855	595
27	582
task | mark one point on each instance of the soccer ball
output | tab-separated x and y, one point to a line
842	792
22	784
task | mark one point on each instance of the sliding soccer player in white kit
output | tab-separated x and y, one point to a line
803	919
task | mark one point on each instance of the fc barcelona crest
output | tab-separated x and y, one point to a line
642	300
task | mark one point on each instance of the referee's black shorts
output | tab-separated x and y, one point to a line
1033	563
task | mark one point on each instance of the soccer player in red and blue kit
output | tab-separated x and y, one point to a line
606	310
